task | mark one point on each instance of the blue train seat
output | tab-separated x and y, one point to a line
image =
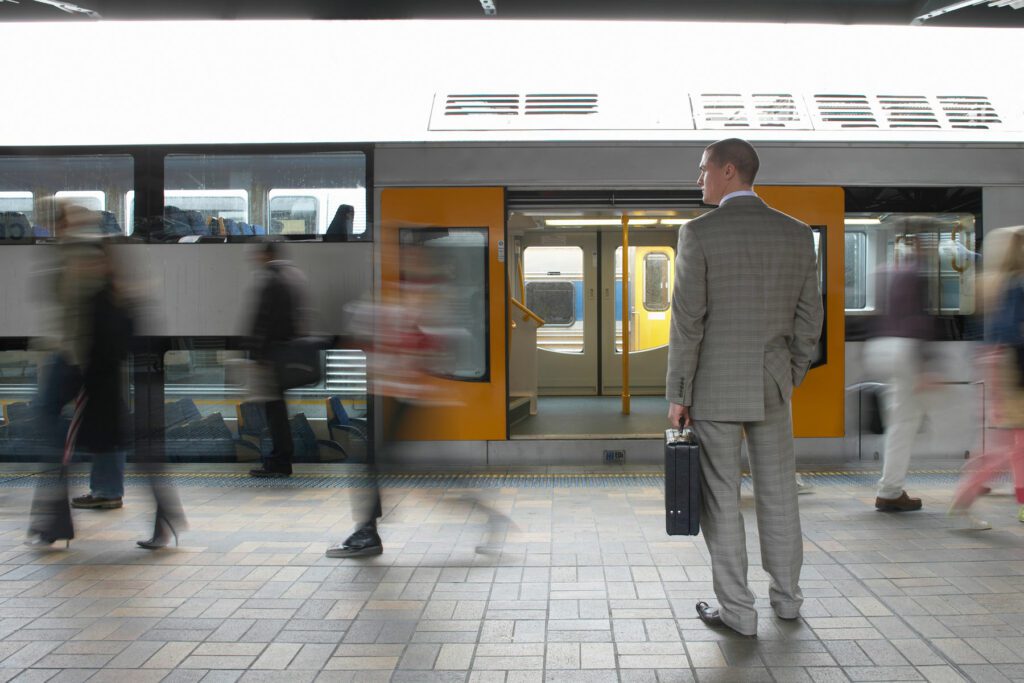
14	225
306	445
108	224
258	229
179	412
203	440
338	418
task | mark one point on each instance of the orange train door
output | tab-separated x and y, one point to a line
469	223
819	403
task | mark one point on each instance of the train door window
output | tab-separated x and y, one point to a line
554	291
657	274
856	270
30	184
443	275
262	194
648	309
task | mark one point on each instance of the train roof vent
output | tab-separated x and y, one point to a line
749	111
479	104
968	111
555	104
558	109
843	112
907	111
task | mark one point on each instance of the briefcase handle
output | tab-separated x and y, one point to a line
684	435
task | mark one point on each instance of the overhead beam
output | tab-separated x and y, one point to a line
936	8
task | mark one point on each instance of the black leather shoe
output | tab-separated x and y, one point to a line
267	473
712	618
362	543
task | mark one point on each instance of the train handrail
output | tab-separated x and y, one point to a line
953	262
530	314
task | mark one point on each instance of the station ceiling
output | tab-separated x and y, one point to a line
899	12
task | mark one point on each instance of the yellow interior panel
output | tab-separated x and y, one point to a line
474	410
818	403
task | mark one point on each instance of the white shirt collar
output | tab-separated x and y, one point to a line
737	193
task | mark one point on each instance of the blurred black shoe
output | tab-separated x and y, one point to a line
362	543
271	473
91	502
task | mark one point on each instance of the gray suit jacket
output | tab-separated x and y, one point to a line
746	302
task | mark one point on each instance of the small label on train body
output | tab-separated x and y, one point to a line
501	251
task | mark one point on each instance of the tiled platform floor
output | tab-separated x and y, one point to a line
587	587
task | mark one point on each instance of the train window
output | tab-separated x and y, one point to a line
211	417
657	274
944	245
448	268
311	210
29	184
261	194
554	291
94	200
294	214
553	301
856	270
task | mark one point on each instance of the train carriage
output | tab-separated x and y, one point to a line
530	158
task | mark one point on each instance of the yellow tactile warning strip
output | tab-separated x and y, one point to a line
462	479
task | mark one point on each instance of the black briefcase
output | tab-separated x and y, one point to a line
682	483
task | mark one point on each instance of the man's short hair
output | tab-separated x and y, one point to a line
740	153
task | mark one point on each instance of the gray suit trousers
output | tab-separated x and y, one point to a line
773	468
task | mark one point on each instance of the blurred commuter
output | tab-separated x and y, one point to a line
281	315
401	351
79	273
1002	363
746	318
104	413
408	336
899	356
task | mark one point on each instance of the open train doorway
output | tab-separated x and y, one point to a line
567	306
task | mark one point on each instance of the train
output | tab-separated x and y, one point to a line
529	160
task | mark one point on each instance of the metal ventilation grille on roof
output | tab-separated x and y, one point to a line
907	111
756	111
472	105
904	112
843	111
549	104
559	109
965	111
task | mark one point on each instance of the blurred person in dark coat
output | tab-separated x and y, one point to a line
104	426
281	315
73	281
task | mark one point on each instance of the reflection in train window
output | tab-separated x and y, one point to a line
257	195
452	263
554	291
944	242
656	281
211	415
28	184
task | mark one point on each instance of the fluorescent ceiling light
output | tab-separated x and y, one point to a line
675	221
863	221
555	222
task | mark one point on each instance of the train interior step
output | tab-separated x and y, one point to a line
518	410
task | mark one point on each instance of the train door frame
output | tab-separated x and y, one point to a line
561	371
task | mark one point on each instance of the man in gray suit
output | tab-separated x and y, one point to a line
746	318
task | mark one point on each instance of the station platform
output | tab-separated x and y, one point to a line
507	576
